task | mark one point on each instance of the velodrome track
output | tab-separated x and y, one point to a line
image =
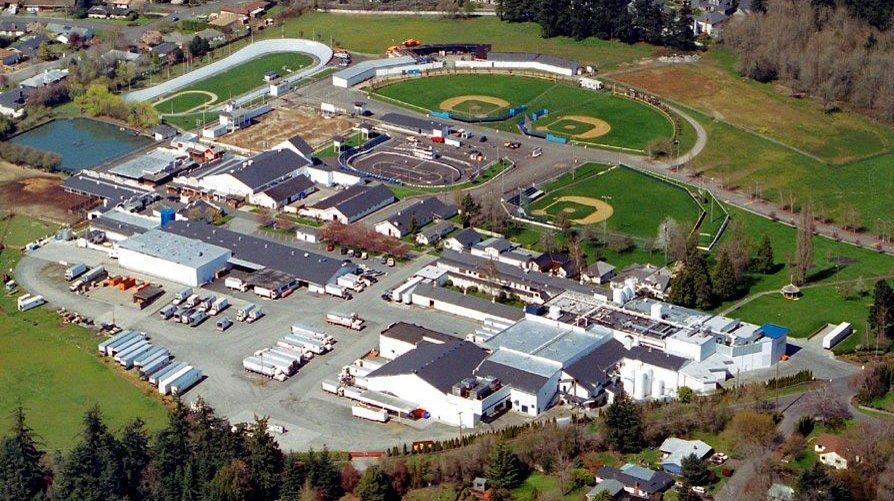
320	52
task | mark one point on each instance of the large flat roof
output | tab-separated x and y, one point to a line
558	343
148	164
175	248
372	64
101	188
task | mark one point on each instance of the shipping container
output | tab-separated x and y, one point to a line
311	333
164	383
330	386
152	354
118	348
155	378
185	382
75	271
362	411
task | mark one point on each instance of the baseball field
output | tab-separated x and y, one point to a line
216	89
596	118
626	200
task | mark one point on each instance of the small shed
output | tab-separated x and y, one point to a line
147	295
480	484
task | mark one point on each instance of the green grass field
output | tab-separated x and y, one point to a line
637	212
806	316
476	107
234	82
52	370
354	33
183	102
573	209
633	124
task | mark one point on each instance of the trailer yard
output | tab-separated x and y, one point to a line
313	417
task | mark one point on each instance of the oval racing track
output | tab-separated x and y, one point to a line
320	52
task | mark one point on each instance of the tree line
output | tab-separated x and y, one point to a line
838	52
21	154
641	21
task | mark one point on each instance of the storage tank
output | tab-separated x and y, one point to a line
167	215
657	311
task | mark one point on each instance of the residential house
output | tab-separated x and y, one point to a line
120	56
780	492
504	251
28	45
165	50
12	29
9	57
674	450
35	6
246	10
415	217
66	34
226	20
108	11
462	241
48	77
434	233
163	132
835	451
351	204
12	102
644	279
708	23
559	264
599	272
212	36
614	488
637	480
284	193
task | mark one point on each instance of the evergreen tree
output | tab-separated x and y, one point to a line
414	224
763	262
624	421
134	457
701	279
198	46
684	492
231	483
695	471
265	462
171	457
881	313
504	469
324	475
467	208
93	470
681	35
22	477
293	479
724	280
759	6
649	20
375	485
553	18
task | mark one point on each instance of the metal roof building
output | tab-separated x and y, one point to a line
172	257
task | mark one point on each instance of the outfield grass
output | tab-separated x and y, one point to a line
633	124
53	371
638	211
354	33
238	80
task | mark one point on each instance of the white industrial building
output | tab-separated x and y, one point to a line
172	257
366	70
523	61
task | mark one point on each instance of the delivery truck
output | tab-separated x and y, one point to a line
75	271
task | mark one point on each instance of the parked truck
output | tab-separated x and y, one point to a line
311	333
92	276
197	318
348	320
236	284
263	367
185	382
167	312
242	314
366	412
254	314
27	302
182	295
75	271
218	305
297	342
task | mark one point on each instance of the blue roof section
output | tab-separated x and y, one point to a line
774	331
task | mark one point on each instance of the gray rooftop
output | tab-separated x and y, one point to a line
424	210
414	334
470	302
101	188
467	237
518	378
289	188
373	64
560	344
532	57
149	164
172	247
411	122
440	365
268	166
356	199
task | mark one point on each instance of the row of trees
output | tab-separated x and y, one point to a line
98	101
822	49
25	155
605	19
360	236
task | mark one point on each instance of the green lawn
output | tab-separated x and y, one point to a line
354	33
54	372
633	124
183	102
544	485
573	209
238	80
637	211
816	308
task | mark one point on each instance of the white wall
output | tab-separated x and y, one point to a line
169	270
393	348
515	65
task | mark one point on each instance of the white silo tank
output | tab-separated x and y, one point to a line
657	311
618	296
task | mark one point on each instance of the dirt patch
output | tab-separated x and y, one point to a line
603	210
36	194
283	123
453	102
678	82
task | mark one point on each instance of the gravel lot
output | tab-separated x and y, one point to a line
312	418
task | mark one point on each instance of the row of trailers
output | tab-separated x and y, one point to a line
132	349
291	352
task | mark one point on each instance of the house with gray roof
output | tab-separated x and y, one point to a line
432	234
411	219
637	480
599	273
284	193
462	241
256	174
351	204
674	450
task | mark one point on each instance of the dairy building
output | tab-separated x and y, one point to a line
172	257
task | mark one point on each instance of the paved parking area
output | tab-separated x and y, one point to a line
312	418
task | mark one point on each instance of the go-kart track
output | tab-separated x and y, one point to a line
320	52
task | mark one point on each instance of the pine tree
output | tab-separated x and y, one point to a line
695	471
504	469
93	470
467	208
724	280
624	421
22	477
881	313
265	462
231	483
553	18
134	457
171	456
414	224
293	479
324	475
375	485
701	279
763	262
681	35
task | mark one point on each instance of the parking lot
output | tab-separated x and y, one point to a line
311	417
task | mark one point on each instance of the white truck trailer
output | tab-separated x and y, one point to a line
74	271
836	335
348	320
28	302
164	383
370	413
182	295
219	305
186	382
242	314
117	338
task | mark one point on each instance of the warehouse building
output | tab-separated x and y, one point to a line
351	204
407	124
413	218
172	257
109	191
254	254
153	167
256	174
366	70
284	193
523	61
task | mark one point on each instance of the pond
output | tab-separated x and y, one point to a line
82	143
